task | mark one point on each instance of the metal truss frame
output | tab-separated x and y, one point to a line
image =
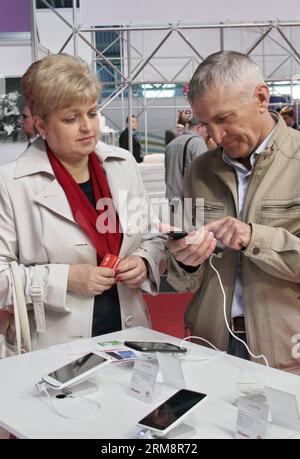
129	76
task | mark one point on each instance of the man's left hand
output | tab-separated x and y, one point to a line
231	232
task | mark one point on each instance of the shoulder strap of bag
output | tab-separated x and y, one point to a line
184	153
4	326
36	293
20	310
16	316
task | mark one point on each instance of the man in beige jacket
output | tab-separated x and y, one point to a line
251	190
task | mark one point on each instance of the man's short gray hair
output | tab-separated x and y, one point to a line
230	69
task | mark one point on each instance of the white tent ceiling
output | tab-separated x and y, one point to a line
98	12
271	35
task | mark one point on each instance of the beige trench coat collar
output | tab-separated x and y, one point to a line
35	161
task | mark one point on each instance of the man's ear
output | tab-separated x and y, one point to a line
199	129
262	96
39	125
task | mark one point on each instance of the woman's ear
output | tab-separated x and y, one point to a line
39	125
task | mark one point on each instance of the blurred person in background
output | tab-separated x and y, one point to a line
136	146
11	115
183	119
179	155
288	114
28	125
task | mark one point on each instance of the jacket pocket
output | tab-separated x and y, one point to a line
288	342
280	212
213	210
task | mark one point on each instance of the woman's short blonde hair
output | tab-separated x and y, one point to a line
56	82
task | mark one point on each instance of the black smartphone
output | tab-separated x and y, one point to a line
177	234
172	412
150	346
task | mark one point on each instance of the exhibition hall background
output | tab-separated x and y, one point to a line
145	54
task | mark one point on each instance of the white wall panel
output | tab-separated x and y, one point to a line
14	60
174	53
54	32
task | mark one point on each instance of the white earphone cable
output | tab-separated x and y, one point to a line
42	388
261	356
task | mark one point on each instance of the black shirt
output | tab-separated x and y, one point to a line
106	314
136	146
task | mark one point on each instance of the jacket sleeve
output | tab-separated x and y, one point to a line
52	277
180	279
275	251
153	242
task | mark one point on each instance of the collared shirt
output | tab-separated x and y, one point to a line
32	139
243	175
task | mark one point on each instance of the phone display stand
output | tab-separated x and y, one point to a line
171	370
80	389
182	431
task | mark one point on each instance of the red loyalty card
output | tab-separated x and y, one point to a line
110	261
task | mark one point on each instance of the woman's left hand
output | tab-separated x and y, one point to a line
132	271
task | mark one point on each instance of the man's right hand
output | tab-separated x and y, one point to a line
193	249
90	280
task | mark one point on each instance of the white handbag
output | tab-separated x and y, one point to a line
22	329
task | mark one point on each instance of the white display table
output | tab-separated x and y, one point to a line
24	414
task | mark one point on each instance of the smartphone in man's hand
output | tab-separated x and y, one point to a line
177	234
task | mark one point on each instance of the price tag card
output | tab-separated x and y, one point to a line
283	408
252	419
143	379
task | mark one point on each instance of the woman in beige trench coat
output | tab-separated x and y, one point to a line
53	225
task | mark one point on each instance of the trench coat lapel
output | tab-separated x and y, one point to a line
35	161
53	198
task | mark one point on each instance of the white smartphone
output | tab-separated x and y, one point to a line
75	371
171	413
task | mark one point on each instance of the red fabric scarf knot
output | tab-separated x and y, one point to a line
105	237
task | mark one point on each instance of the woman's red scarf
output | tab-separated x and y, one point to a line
83	211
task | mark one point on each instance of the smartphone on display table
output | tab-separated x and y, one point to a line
75	371
150	346
172	412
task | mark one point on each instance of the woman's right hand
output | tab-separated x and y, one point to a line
90	280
